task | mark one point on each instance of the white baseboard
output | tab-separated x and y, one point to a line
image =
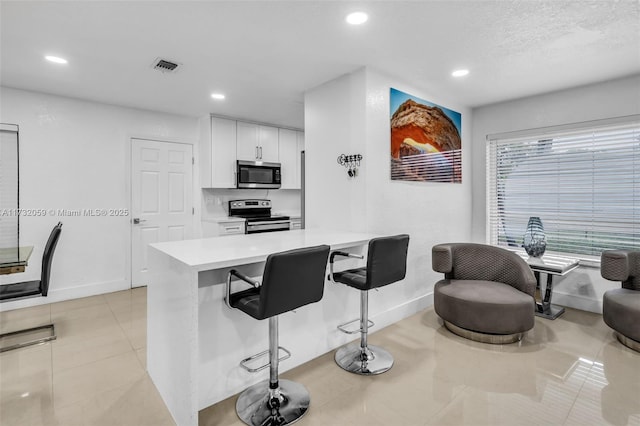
60	295
401	311
574	301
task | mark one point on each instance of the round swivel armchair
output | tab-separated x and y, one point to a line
621	306
487	293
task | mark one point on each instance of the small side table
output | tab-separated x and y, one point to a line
14	259
551	265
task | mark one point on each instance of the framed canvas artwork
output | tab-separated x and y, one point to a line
425	140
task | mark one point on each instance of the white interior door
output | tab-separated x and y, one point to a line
161	198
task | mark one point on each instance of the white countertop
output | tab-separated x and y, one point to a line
232	250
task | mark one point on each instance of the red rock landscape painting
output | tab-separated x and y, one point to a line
425	140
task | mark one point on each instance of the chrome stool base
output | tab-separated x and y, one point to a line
253	405
352	359
628	342
494	339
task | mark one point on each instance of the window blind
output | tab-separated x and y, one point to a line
9	218
583	183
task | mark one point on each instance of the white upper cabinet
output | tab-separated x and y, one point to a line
300	143
256	142
289	159
218	153
222	141
269	150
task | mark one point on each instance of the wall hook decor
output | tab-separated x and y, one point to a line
351	163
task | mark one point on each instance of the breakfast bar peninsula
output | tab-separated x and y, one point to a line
195	343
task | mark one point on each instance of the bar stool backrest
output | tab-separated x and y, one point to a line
292	279
387	260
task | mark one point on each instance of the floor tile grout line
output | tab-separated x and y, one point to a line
125	331
584	382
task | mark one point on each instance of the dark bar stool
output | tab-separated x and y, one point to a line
386	264
291	279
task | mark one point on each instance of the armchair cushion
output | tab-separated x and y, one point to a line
484	306
486	289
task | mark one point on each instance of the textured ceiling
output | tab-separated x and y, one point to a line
264	55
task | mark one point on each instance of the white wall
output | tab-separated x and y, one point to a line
351	115
583	288
75	155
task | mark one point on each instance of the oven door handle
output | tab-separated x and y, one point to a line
280	225
269	222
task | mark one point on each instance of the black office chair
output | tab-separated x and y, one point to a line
386	264
291	279
27	289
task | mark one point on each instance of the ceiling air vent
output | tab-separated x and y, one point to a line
165	65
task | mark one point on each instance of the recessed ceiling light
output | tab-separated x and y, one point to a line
460	73
56	59
357	18
218	96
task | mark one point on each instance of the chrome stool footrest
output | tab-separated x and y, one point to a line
246	361
343	327
40	334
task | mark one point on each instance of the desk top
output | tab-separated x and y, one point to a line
15	256
232	250
549	263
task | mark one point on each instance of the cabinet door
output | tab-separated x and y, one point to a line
288	159
223	153
300	143
247	146
268	145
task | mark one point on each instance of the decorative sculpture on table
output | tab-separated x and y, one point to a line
535	240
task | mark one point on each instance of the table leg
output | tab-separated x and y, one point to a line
544	308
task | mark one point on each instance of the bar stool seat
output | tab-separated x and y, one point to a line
386	264
291	279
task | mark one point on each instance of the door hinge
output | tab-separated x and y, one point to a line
193	210
193	160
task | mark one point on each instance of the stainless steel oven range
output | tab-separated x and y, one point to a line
258	216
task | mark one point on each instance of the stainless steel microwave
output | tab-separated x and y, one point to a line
257	174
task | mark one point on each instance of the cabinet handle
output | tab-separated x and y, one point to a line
257	157
261	153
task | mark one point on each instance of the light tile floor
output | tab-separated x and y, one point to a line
569	371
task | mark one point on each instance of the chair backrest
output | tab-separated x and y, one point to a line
47	258
387	260
470	261
292	279
621	265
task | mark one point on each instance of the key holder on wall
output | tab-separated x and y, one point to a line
351	163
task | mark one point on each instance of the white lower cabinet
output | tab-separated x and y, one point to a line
221	227
296	223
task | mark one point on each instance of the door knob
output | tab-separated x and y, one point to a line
137	220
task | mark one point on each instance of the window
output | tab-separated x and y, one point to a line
9	219
582	180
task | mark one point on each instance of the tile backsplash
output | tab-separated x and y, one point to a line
215	202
